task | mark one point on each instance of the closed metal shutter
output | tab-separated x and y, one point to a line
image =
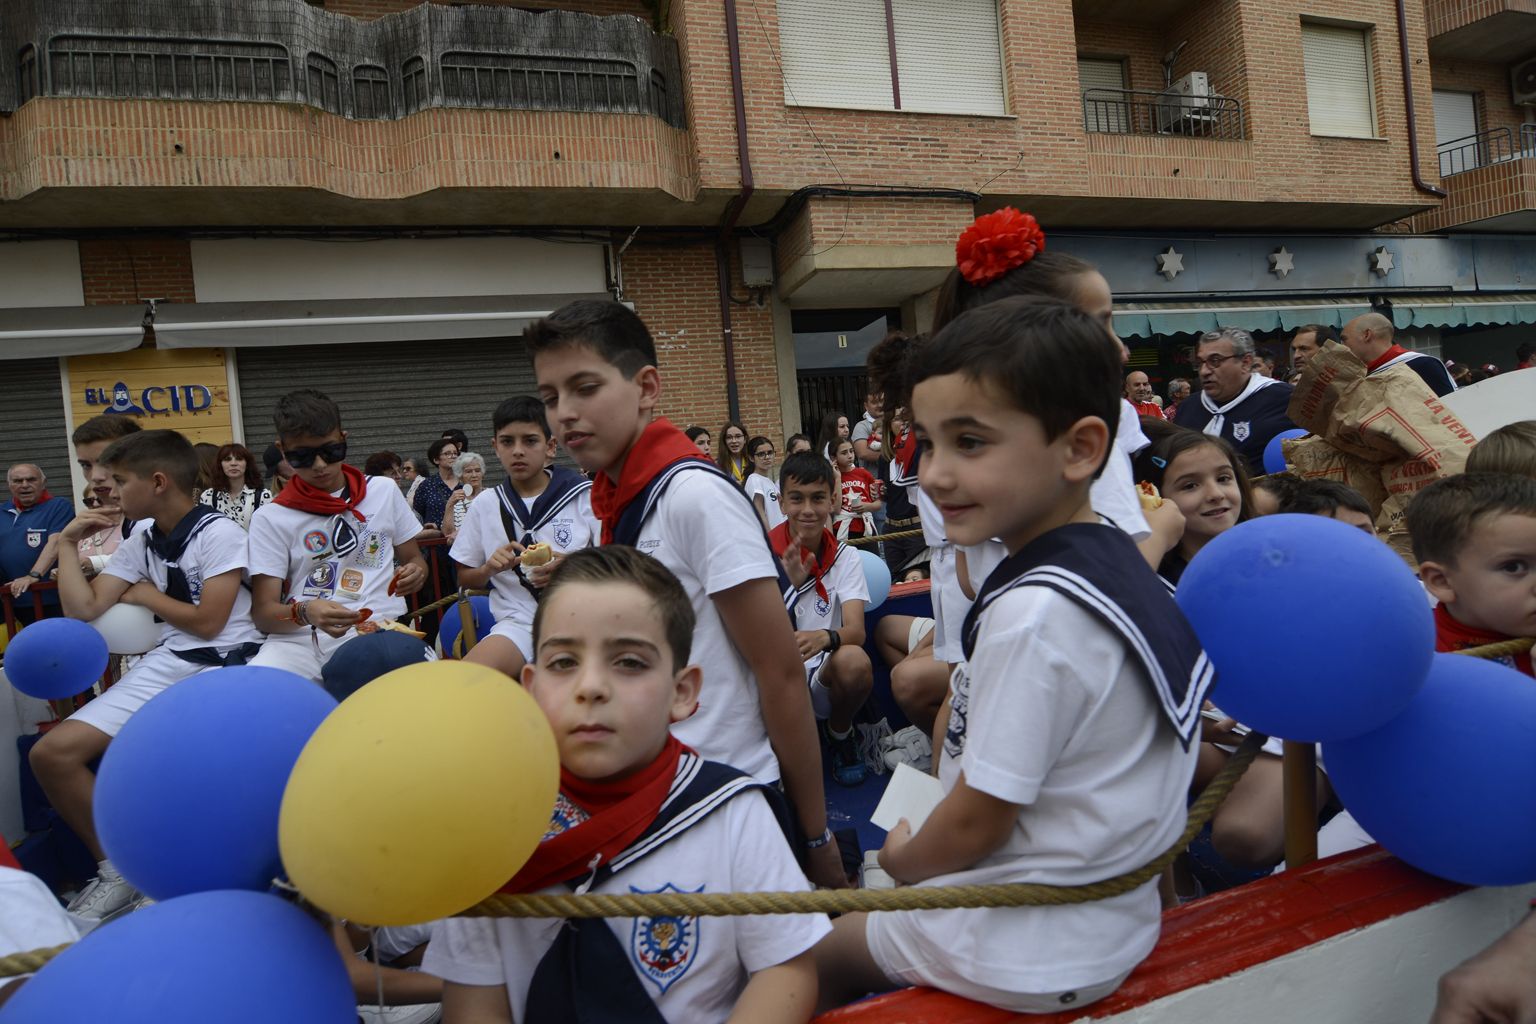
836	54
398	396
1455	128
1106	107
950	57
32	425
1338	66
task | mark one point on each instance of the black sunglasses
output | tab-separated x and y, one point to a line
303	458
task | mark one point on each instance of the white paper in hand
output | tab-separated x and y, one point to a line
910	794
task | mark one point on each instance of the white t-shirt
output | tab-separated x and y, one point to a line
1053	714
929	516
1114	493
299	549
738	848
216	548
981	559
712	540
758	485
572	527
844	582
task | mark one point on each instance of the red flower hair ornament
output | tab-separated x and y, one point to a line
997	243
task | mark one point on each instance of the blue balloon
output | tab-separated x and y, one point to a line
877	575
1449	784
1274	458
1364	632
448	631
231	957
188	794
54	658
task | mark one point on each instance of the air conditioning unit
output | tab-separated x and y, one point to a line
1522	82
1188	97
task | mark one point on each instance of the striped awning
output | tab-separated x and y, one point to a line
1150	319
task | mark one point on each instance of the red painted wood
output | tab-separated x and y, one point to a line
1211	938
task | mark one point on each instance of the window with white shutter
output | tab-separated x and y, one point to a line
835	54
1340	99
1455	126
949	57
1106	107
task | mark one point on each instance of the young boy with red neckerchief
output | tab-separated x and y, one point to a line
333	544
1474	537
637	812
830	595
652	489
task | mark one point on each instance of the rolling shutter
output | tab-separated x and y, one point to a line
835	54
949	57
32	425
398	396
1105	107
1338	68
1455	124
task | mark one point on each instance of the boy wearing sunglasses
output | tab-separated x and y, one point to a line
331	546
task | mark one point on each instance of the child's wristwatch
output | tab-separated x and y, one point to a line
820	841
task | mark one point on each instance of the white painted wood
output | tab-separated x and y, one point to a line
1383	974
264	269
34	274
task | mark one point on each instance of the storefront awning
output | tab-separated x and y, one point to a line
1148	319
47	332
349	321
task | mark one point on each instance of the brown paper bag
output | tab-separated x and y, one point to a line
1388	426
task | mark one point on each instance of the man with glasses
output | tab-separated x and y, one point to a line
1244	408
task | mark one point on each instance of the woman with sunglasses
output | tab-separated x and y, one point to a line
431	501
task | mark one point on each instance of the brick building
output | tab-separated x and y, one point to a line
373	196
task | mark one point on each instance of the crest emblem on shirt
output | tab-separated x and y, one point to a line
822	607
663	948
563	535
316	541
1240	431
34	538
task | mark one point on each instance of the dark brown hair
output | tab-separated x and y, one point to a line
1050	273
237	451
1443	515
616	563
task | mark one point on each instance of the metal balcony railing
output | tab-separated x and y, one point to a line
1137	112
1492	146
287	51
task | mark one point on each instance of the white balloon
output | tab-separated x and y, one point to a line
128	629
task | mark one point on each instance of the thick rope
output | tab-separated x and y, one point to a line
436	606
29	962
877	538
842	901
1502	649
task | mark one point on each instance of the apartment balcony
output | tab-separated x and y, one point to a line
1491	31
1132	12
239	113
1491	178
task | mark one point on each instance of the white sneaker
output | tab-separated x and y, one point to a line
104	899
910	746
421	1013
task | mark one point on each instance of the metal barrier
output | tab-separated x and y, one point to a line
1477	150
1138	112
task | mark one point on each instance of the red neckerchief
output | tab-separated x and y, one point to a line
309	498
1451	635
658	446
42	497
781	539
8	859
620	811
906	447
1385	357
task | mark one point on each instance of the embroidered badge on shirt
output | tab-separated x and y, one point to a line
321	581
316	541
372	552
34	538
1240	431
823	609
351	581
566	815
663	948
563	535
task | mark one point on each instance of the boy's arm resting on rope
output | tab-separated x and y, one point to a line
204	620
476	1004
782	994
966	826
749	611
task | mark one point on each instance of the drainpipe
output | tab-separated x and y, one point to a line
732	212
1413	124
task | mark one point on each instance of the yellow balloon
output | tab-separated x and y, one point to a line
422	794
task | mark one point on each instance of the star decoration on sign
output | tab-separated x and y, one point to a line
1381	261
1281	262
1170	263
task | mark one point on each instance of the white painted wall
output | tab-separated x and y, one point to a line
268	269
1383	974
